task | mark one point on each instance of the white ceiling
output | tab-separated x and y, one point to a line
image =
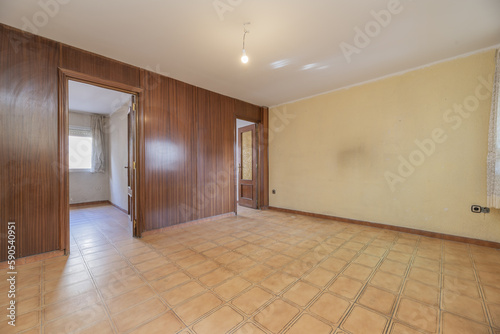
94	99
293	45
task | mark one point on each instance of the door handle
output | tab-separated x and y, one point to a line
125	167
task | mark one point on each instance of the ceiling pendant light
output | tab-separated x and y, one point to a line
244	57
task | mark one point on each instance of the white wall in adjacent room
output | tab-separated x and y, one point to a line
85	186
118	146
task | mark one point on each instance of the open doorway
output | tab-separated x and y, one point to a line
247	162
101	150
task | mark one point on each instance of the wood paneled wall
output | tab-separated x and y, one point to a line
186	141
28	137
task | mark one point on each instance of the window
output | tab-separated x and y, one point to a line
80	148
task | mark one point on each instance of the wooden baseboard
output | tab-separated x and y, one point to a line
96	203
443	236
33	258
193	222
116	206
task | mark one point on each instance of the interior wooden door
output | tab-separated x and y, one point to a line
132	154
247	166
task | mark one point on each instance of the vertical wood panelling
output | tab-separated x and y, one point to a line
152	195
209	114
247	111
225	167
28	118
180	145
98	66
186	138
169	151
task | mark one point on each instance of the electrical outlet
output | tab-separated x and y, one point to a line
274	191
479	209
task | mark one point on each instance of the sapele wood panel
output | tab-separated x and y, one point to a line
29	145
247	111
226	176
208	110
99	66
264	158
170	152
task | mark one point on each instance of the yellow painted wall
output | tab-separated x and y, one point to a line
343	153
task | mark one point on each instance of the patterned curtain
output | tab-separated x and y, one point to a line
97	126
493	177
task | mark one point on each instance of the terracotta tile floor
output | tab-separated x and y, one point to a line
260	272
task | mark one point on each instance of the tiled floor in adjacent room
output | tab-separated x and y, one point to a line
260	272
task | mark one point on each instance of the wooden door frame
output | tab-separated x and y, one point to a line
262	132
253	128
61	165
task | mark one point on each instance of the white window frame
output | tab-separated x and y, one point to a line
79	131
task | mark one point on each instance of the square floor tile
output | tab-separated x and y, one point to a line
346	287
232	287
251	300
257	273
170	281
333	264
309	324
202	268
367	260
197	307
398	328
425	276
425	293
461	286
494	310
129	299
221	321
357	271
215	277
330	307
418	315
276	315
467	307
452	324
278	281
361	320
168	323
319	276
492	294
393	267
138	314
378	300
301	293
72	321
183	292
386	281
249	328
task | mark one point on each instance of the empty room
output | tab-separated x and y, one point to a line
237	166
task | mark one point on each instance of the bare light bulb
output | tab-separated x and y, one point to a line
244	57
